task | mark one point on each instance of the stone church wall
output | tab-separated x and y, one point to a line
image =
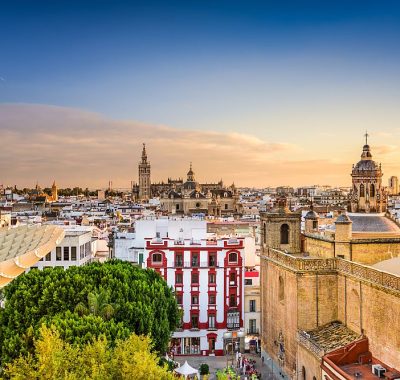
371	253
375	311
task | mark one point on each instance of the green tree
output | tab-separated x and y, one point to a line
140	299
98	304
54	358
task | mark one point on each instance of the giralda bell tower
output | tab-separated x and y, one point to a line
144	177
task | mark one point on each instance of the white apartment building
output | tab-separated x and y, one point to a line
77	248
208	278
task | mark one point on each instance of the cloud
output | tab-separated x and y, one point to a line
75	147
385	149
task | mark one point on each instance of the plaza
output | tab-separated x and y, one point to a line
216	363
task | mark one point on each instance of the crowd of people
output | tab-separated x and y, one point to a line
247	366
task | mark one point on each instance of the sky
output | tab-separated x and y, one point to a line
262	93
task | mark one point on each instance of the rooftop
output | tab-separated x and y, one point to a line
374	223
330	336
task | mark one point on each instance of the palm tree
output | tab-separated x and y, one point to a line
98	304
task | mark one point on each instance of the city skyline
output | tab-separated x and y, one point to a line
260	94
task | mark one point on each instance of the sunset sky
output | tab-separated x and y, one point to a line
262	93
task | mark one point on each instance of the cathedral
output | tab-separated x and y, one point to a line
329	310
179	197
38	195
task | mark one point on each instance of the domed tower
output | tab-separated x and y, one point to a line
190	174
367	193
311	221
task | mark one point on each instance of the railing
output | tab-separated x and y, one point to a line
301	263
202	264
233	326
363	272
253	331
312	346
375	276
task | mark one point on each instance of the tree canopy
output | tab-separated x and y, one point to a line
112	299
54	358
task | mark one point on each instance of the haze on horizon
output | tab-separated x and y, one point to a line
259	93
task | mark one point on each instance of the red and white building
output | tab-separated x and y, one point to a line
208	278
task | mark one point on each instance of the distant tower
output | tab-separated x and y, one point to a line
367	194
190	174
394	185
144	177
54	192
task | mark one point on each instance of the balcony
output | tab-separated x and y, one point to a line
196	264
233	326
253	331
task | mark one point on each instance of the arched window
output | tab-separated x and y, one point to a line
372	190
284	234
156	258
303	373
362	190
281	289
233	258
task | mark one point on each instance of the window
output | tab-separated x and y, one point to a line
179	260
284	234
195	299
179	299
48	257
233	258
211	278
195	260
211	321
226	206
232	278
232	300
252	306
362	190
179	278
233	320
198	203
315	224
252	326
82	251
177	206
211	299
195	278
372	190
73	253
156	258
303	373
212	262
248	281
66	253
195	321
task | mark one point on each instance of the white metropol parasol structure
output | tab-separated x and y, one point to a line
22	247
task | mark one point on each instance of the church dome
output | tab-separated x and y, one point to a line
343	219
311	215
366	163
